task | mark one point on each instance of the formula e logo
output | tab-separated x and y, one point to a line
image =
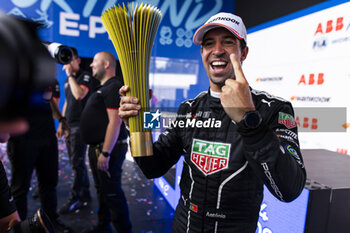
151	120
210	157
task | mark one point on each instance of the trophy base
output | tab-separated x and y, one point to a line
141	144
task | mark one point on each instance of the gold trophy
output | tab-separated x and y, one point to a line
132	31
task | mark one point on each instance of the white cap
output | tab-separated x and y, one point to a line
231	22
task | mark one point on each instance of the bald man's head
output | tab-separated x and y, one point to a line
109	57
103	66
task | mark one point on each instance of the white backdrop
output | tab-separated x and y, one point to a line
307	61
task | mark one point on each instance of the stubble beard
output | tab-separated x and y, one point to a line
220	83
97	76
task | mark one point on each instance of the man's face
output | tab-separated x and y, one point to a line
217	46
97	67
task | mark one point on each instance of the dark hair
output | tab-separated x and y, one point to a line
75	51
243	44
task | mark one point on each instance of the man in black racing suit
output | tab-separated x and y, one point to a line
235	140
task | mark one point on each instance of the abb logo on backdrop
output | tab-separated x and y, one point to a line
307	123
342	151
331	32
312	79
330	26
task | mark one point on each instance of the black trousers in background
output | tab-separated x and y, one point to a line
26	154
76	152
112	202
7	206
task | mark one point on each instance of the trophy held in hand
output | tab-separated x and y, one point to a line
132	30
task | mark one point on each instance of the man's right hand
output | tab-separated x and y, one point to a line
128	105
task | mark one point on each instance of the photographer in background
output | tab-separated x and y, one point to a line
26	73
78	86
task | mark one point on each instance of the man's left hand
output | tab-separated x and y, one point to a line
235	94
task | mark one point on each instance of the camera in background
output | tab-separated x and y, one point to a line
61	53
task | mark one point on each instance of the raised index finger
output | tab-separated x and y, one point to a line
237	69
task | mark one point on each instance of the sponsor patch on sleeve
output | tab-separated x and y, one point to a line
287	132
86	78
289	138
294	153
57	87
286	120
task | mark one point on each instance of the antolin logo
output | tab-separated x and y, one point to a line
312	79
316	99
210	157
